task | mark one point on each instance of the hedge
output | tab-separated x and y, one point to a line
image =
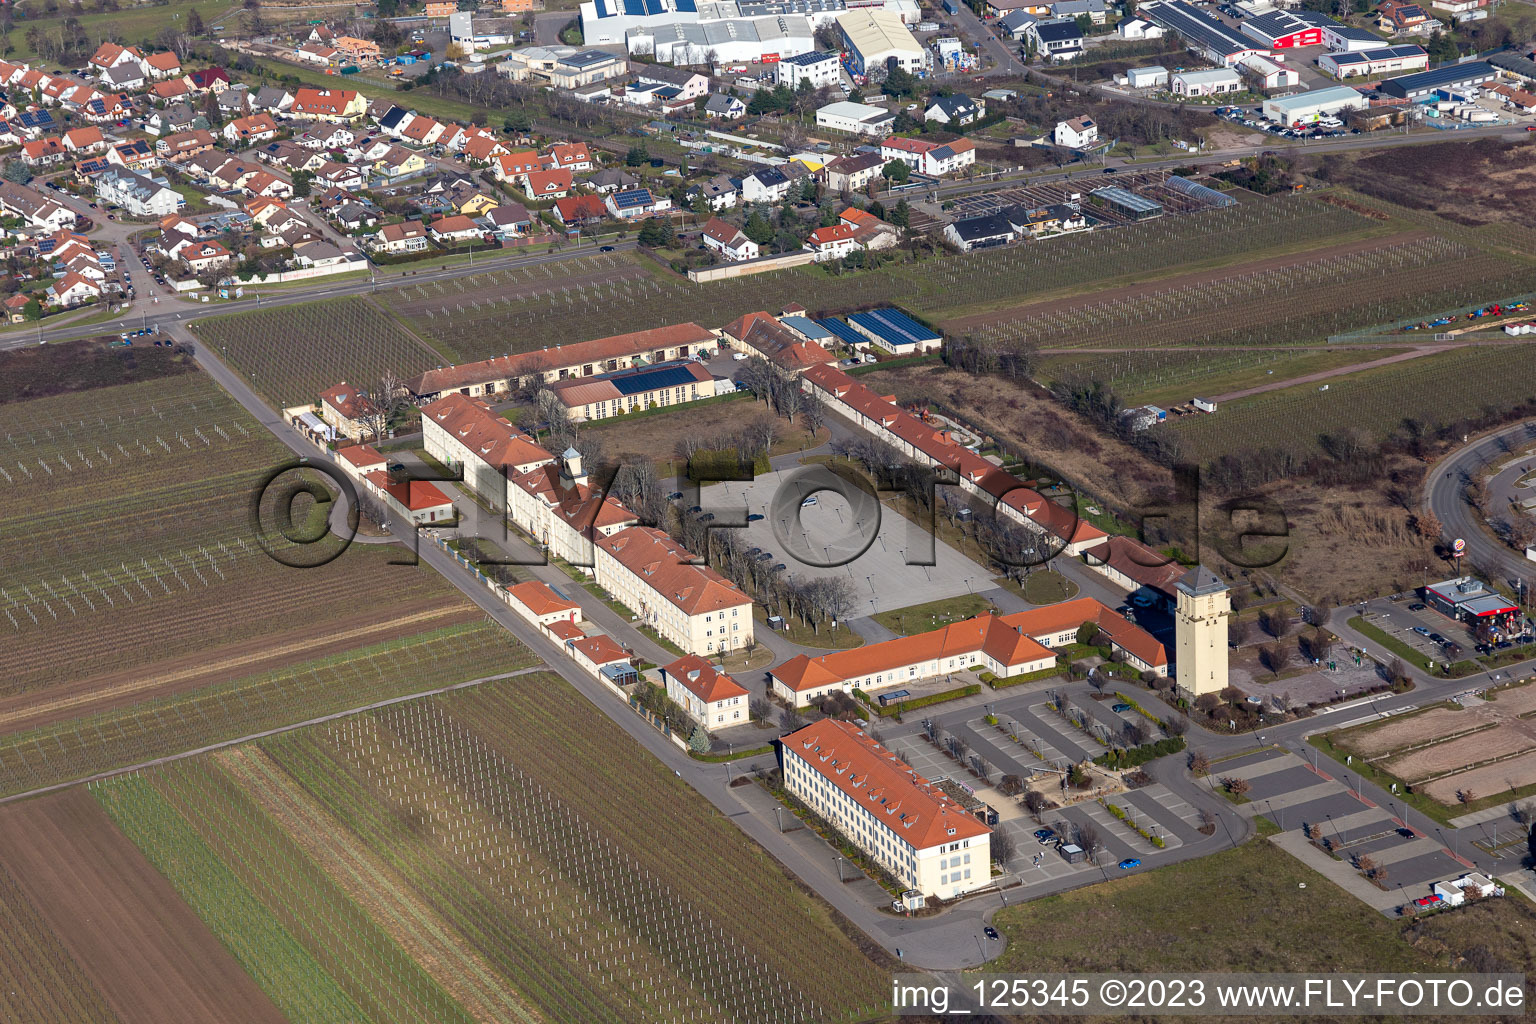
1023	677
1143	712
917	702
1137	756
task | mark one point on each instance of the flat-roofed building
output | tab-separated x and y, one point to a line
872	37
914	830
1385	60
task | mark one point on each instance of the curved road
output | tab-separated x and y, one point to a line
1447	485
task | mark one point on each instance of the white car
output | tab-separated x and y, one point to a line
739	356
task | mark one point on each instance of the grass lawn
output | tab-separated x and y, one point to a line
653	433
840	639
1046	586
135	23
1239	910
919	618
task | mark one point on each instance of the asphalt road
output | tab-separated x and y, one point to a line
1445	498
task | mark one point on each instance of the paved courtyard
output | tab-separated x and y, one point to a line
860	539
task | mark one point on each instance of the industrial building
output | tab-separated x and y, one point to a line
1214	82
1202	33
1146	78
1348	38
855	118
1309	106
1283	30
610	22
895	332
1521	67
1127	203
1267	74
1426	83
725	41
873	37
1384	61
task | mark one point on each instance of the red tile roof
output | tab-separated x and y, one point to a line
703	680
882	784
540	599
666	568
415	495
988	633
1057	618
347	400
506	367
492	439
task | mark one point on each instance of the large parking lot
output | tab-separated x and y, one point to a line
1295	796
1425	630
1032	740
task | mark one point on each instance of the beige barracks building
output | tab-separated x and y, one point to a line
926	840
691	605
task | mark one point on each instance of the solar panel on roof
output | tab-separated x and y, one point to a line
844	332
897	322
634	8
661	377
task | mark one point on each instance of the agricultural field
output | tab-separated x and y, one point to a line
471	858
124	949
1172	376
1439	390
491	314
139	616
1274	302
40	980
289	354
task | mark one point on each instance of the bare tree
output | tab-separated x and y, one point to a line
1089	839
760	708
1002	846
1035	803
1176	725
1199	762
790	720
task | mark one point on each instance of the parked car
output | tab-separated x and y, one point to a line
753	517
1120	707
605	248
1130	862
781	567
808	502
1044	835
990	933
1421	631
1417	606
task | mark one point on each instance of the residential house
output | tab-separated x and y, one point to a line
612	179
73	290
1400	18
181	146
1016	23
393	239
832	243
581	211
956	109
719	192
766	185
348	409
710	697
137	194
129	77
537	185
255	128
728	240
449	231
34	207
725	107
510	167
85	140
1078	133
572	156
399	163
178	117
635	204
202	257
332	105
853	173
1055	40
213	80
42	152
272	99
170	90
508	220
163	65
111	55
424	131
777	339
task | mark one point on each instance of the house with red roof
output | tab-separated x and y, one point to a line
539	604
832	242
581	211
415	501
714	699
729	240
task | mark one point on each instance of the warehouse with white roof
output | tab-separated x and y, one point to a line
873	37
1309	106
1387	60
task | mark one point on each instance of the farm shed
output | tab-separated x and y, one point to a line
1309	106
1146	78
894	331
